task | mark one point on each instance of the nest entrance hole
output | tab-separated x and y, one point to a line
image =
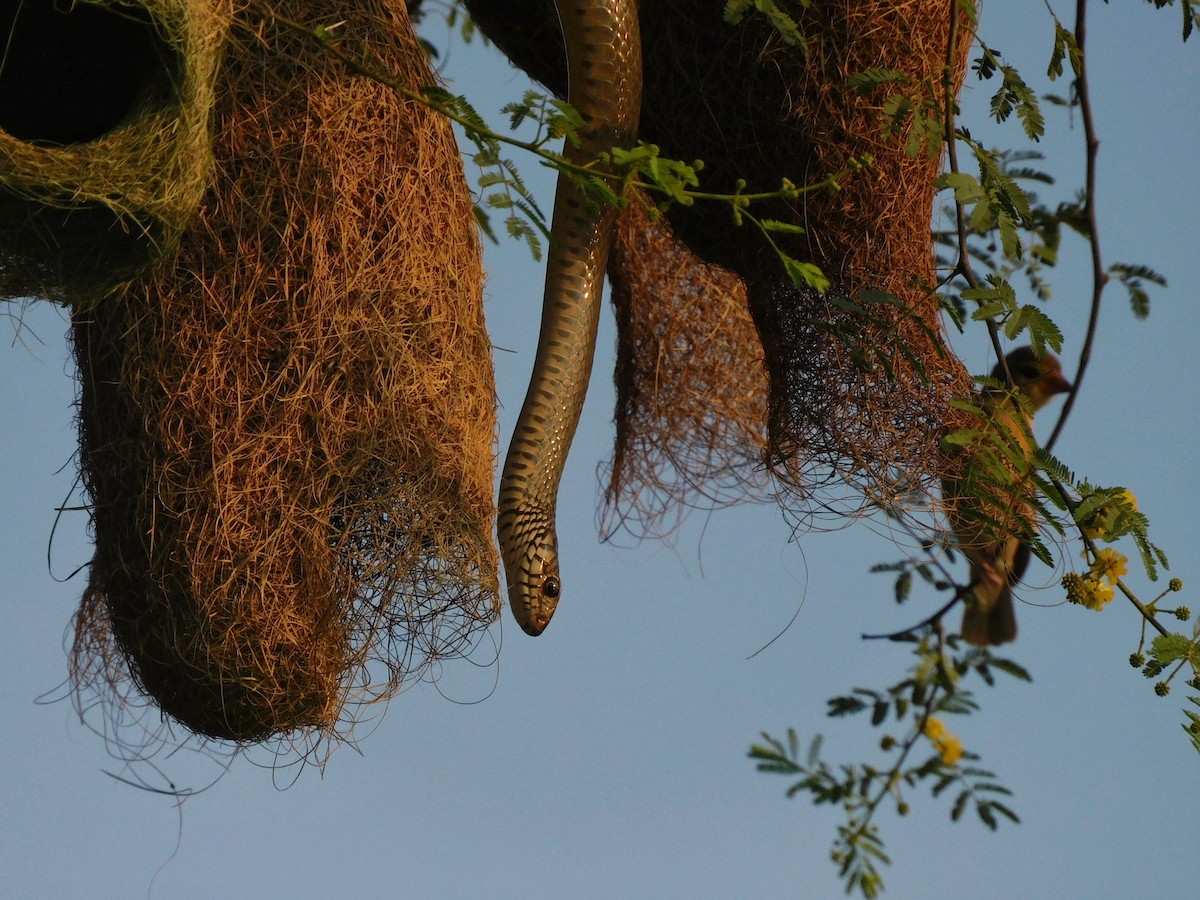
70	72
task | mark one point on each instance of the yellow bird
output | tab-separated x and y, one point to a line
985	495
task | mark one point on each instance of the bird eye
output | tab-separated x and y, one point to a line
551	588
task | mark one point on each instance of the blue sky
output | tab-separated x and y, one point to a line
608	757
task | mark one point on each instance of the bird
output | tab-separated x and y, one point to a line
985	492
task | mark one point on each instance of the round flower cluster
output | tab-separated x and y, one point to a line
1096	589
1093	593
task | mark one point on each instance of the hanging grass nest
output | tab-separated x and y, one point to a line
287	429
691	387
104	137
858	377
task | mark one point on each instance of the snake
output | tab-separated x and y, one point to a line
604	65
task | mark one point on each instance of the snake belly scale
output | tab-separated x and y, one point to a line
605	71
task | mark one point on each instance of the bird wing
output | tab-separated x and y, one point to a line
987	503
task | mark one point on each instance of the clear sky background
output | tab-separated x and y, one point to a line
608	757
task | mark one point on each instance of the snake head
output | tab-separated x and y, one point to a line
529	546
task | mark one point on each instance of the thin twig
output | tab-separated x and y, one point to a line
959	592
1099	276
962	265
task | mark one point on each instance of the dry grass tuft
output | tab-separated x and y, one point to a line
691	386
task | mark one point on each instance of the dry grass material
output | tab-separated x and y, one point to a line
855	400
691	386
287	431
863	394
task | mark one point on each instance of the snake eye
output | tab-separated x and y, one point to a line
551	588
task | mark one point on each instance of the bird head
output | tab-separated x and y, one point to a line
1038	378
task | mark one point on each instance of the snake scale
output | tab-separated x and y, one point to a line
604	61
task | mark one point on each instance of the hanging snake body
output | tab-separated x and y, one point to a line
605	71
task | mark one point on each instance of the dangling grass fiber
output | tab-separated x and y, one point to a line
691	386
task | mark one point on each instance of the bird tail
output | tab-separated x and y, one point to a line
989	620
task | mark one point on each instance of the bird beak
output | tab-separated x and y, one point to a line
1057	384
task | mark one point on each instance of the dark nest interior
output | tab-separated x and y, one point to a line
104	138
857	379
287	426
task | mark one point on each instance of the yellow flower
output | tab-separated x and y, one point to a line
948	746
1096	593
1109	564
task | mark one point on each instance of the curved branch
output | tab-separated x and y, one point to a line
1099	276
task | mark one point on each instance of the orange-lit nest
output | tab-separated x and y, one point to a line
286	432
857	388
